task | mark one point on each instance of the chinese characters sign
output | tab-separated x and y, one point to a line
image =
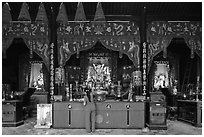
25	29
144	67
98	28
182	29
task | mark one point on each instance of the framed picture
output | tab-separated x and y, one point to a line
161	75
37	78
44	116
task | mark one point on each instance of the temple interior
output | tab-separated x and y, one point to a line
101	65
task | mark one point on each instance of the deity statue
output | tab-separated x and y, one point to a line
98	76
39	83
175	87
160	81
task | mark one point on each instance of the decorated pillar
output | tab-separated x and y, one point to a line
60	82
144	67
51	72
144	53
62	46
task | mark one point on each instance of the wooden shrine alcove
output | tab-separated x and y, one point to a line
11	65
186	64
78	67
16	71
178	56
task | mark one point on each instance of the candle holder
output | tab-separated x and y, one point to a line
77	87
83	86
71	99
119	89
197	88
112	89
130	93
67	92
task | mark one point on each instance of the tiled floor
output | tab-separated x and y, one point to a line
173	128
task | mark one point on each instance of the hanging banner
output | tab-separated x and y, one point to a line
80	14
118	36
25	29
62	14
24	13
93	28
160	34
34	34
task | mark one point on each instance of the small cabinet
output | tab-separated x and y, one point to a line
68	115
120	115
12	113
190	111
108	115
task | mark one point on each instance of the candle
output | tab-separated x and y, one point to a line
197	88
198	78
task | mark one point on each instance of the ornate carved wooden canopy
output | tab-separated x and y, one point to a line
78	35
160	34
35	34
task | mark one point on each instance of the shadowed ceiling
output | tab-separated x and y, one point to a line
191	11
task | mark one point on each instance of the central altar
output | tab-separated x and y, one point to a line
109	114
98	74
107	73
100	70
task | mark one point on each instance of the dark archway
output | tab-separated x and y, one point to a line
16	65
178	55
179	48
10	64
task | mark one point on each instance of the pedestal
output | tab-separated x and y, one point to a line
156	115
120	114
12	113
38	98
190	111
109	114
68	115
156	111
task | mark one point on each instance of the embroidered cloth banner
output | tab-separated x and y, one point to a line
35	35
160	34
77	36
